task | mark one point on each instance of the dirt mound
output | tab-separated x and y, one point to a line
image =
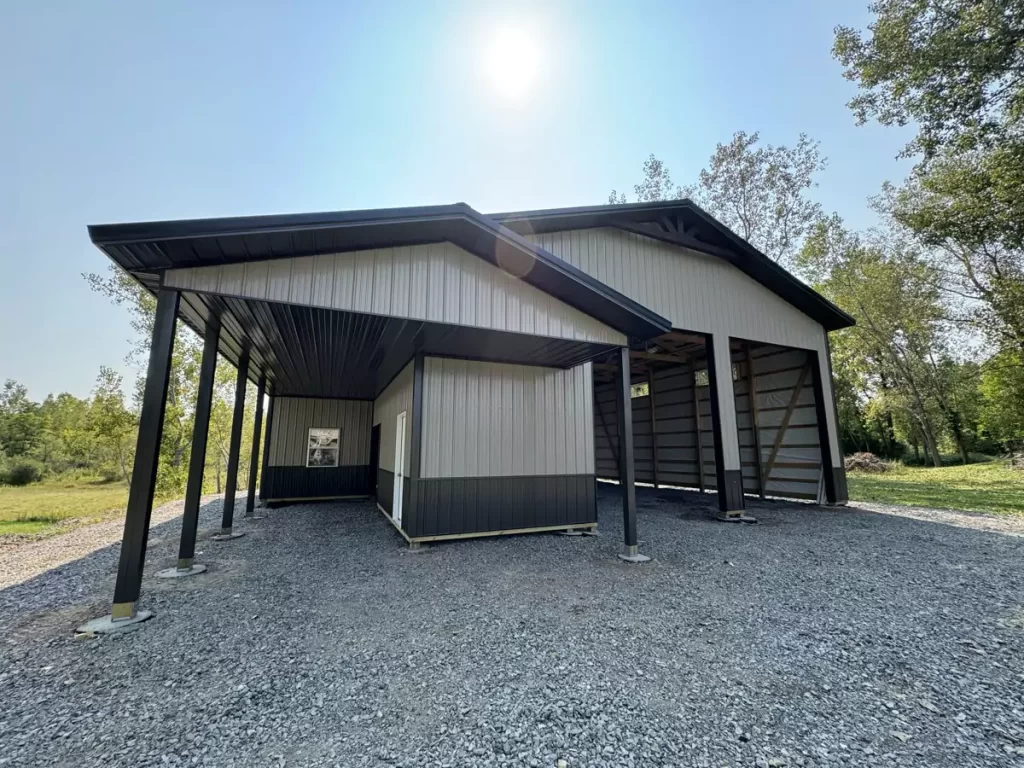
865	462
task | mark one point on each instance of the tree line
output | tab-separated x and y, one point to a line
94	437
935	364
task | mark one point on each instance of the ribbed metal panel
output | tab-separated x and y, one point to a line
497	420
438	282
466	505
395	398
697	292
677	428
317	482
606	430
294	416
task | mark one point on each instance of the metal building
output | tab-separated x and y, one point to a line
476	374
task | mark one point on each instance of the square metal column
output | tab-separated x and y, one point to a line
728	472
627	467
266	447
254	458
147	458
234	448
197	459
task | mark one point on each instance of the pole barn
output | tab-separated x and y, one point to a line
477	374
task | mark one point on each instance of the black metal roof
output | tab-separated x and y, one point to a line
684	223
146	249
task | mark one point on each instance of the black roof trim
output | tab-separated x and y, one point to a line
146	249
686	224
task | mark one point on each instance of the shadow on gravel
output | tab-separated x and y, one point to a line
80	589
69	593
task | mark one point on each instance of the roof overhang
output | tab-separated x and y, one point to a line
145	250
685	224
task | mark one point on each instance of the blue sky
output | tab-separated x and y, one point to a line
138	111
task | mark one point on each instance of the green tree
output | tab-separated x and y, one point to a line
20	422
1002	406
113	426
760	192
891	292
953	68
949	211
176	441
66	441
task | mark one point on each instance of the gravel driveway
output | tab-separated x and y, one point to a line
819	638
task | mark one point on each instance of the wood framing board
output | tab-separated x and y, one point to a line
509	532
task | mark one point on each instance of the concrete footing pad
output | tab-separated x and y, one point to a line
590	532
105	625
631	554
570	532
416	548
178	573
736	519
227	536
637	558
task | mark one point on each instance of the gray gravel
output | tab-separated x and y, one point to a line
818	638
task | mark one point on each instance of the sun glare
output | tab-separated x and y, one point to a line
513	60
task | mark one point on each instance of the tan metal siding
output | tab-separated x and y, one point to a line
396	397
439	282
697	292
294	416
498	420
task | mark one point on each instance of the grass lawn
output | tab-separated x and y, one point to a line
38	509
989	487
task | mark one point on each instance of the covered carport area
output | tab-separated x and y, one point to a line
347	312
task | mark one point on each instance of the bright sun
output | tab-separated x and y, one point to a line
512	62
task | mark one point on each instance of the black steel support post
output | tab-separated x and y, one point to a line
235	445
266	448
654	426
729	482
824	441
254	457
627	466
197	459
147	455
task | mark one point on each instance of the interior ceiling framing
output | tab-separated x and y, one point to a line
666	351
316	352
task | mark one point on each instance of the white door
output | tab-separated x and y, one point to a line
396	502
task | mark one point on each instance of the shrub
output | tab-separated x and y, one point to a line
865	462
22	472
